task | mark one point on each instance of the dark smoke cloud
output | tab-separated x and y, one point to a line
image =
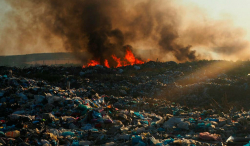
104	27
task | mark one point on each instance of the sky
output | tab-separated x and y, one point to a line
235	12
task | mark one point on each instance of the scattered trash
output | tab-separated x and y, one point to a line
105	106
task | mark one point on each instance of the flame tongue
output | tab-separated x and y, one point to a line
118	60
106	63
129	59
92	63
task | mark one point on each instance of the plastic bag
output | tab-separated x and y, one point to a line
96	115
139	115
67	133
136	139
248	144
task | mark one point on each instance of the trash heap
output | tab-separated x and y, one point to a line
35	112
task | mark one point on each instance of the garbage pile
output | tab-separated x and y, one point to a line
39	112
187	83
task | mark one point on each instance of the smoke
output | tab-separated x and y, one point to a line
219	36
103	28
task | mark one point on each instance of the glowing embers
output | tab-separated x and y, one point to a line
129	59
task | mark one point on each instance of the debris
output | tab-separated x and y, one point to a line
121	106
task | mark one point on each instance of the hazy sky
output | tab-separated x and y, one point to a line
236	10
233	11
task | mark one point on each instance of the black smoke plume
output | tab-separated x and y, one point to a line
104	27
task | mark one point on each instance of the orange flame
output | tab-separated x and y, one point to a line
129	59
106	63
92	63
118	60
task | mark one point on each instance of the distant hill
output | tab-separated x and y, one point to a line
41	58
54	58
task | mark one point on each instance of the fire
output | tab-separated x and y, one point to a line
106	63
118	60
129	59
92	63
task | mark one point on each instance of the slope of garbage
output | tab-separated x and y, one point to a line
150	104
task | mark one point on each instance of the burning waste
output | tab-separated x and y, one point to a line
162	104
129	59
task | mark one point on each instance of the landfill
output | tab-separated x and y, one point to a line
140	105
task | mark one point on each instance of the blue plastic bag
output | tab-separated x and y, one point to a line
96	115
141	143
248	144
139	115
211	119
144	122
34	122
161	129
75	143
67	133
136	139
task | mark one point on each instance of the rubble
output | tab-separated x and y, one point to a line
107	106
